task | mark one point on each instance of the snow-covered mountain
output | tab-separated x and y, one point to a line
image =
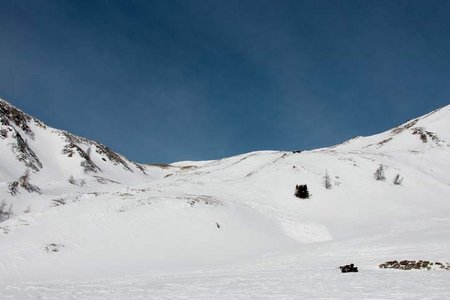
232	216
29	144
425	133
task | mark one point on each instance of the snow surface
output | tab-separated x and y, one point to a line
232	228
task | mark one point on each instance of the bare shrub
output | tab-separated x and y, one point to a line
72	180
58	202
13	188
398	179
379	173
327	180
24	182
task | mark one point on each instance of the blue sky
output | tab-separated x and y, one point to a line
162	81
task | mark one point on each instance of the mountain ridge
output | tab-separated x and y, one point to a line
427	129
233	210
23	135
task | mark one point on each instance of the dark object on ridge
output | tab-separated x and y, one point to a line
301	191
348	268
297	151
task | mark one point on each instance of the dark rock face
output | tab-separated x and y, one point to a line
73	142
13	188
10	115
414	265
3	133
348	268
112	156
87	163
25	154
23	182
410	124
140	167
15	124
424	135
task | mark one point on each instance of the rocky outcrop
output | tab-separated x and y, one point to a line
414	265
25	154
104	151
23	182
425	135
348	268
20	133
88	165
15	124
10	115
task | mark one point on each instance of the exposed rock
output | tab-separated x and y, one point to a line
87	164
201	199
25	154
12	116
385	141
23	182
140	167
424	135
408	125
101	149
58	202
416	265
3	133
53	247
13	188
112	156
348	268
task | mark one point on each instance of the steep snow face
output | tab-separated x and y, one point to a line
232	210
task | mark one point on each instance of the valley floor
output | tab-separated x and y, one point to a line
283	282
307	273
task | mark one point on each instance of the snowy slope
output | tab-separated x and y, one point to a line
51	154
421	134
54	160
198	225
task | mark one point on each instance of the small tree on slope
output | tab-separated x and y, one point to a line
379	173
301	191
327	180
398	179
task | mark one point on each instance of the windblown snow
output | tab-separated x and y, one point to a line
79	221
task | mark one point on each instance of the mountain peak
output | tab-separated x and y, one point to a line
11	116
29	146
